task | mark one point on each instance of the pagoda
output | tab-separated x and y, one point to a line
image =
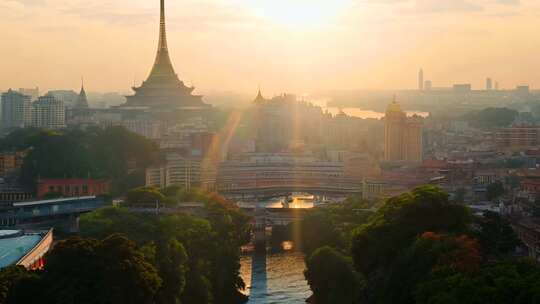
163	89
82	100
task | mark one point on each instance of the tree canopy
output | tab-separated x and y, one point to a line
113	153
212	245
415	246
377	243
332	277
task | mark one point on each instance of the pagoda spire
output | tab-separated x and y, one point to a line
82	100
259	98
162	65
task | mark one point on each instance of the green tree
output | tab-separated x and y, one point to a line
331	225
332	278
430	253
171	260
494	190
496	235
212	244
502	283
18	285
113	153
144	196
91	271
394	226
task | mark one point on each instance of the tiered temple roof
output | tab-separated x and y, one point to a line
163	88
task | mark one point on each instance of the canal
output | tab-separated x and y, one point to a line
275	278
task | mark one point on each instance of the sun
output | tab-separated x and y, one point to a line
299	14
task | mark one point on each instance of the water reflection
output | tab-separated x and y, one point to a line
359	113
282	282
258	284
297	200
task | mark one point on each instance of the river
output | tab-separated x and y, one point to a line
275	278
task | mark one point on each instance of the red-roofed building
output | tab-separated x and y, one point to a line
531	185
72	187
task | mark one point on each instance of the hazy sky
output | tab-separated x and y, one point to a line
283	45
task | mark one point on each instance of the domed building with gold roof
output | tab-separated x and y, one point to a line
402	135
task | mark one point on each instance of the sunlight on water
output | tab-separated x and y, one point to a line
282	282
295	201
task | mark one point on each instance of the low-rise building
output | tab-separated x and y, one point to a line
518	137
176	170
388	184
73	187
24	248
11	162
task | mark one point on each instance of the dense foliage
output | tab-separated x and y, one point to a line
494	190
212	244
124	256
421	248
332	225
332	278
112	270
114	153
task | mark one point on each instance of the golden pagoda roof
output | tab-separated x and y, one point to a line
394	106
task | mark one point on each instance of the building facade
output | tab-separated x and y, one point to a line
175	171
402	136
518	137
16	110
11	162
73	187
48	112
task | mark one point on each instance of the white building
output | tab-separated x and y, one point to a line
68	97
147	128
16	110
48	112
175	171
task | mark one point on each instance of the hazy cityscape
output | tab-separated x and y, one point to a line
326	170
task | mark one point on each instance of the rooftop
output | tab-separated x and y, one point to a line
14	245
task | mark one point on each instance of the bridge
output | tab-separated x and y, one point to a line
267	175
31	212
283	189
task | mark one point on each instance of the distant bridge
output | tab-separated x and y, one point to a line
282	189
38	211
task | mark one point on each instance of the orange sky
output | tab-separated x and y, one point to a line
284	45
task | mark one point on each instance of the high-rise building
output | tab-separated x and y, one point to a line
48	112
489	84
16	110
496	86
33	93
462	88
428	85
163	88
68	97
421	80
402	136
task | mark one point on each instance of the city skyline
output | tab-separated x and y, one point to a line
235	46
